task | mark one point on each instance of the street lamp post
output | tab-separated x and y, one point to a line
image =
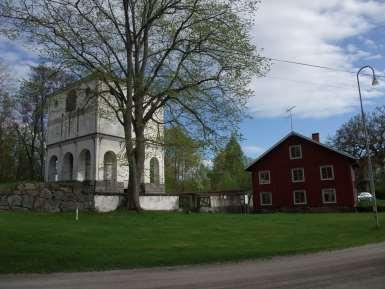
367	144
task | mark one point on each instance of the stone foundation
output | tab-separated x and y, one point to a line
48	197
59	196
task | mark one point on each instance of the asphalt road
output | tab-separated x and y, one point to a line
362	267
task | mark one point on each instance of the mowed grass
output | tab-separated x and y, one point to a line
37	242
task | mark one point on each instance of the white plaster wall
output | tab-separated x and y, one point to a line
64	125
75	148
224	201
158	152
105	145
159	203
105	204
108	124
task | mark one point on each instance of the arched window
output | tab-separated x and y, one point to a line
109	166
68	166
71	101
154	171
84	167
52	169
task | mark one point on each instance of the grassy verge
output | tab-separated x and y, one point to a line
32	242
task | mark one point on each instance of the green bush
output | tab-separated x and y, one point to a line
380	191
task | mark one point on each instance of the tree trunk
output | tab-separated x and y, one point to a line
133	186
139	159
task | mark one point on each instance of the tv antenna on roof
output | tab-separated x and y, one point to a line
290	111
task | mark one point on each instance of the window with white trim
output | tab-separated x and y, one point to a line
299	197
297	175
264	177
266	198
295	152
329	196
327	173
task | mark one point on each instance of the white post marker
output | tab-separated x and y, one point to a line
77	214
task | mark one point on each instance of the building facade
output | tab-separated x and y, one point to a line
300	173
85	141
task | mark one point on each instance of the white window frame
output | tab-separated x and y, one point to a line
323	191
292	175
261	199
300	152
327	179
299	191
264	182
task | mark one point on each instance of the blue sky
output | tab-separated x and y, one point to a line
344	34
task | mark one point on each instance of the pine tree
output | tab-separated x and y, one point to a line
229	168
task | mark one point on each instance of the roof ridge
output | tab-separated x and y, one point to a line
303	137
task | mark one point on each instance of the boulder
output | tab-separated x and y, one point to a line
45	194
28	201
68	206
14	201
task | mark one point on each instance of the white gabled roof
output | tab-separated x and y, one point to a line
293	133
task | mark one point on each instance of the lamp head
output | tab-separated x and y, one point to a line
375	80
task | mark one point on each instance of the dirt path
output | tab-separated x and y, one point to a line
362	267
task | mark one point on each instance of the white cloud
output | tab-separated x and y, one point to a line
18	57
253	150
316	32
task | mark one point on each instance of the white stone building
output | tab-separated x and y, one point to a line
85	140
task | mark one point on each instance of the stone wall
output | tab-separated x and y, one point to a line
48	197
103	196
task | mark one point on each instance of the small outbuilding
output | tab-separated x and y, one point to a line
300	173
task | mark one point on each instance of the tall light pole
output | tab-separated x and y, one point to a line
290	111
367	144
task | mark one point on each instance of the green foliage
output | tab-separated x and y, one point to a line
38	242
184	170
32	102
8	138
229	168
350	138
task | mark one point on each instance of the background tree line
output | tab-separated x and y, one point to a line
23	121
187	170
192	58
23	132
349	138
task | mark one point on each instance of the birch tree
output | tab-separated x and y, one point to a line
192	58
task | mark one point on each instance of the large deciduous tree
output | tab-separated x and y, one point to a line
184	168
193	58
7	120
32	102
350	138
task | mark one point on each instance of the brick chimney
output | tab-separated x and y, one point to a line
315	136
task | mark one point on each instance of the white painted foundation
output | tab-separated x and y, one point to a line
104	204
159	203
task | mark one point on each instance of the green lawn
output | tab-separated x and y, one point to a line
34	242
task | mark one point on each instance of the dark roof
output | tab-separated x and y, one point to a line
248	168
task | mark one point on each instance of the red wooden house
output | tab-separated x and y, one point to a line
300	173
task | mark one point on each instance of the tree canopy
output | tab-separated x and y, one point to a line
184	168
350	138
229	168
192	58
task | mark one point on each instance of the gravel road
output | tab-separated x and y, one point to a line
361	267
